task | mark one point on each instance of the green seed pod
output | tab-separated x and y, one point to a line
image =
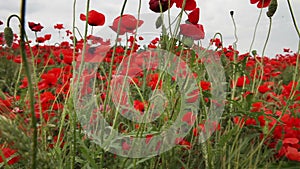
158	22
9	36
254	52
272	8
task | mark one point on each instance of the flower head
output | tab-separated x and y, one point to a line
195	32
242	80
36	27
94	19
155	5
8	153
128	24
59	26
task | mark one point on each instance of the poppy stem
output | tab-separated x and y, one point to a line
10	17
234	73
78	32
268	36
107	99
255	30
293	17
30	86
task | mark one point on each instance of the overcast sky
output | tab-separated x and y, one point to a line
214	17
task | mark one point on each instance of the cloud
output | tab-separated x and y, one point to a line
214	16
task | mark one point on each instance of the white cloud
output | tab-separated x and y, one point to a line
214	16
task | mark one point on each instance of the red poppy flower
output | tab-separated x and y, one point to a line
43	39
189	118
194	16
7	152
290	141
186	144
155	5
196	32
152	81
261	3
95	54
59	26
205	85
40	40
148	138
47	36
128	24
292	154
36	27
95	18
189	5
138	105
284	49
263	88
125	146
193	96
24	83
241	80
55	141
68	32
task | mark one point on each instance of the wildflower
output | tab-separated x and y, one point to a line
94	19
160	5
292	154
138	105
186	144
152	81
59	26
189	118
128	24
8	153
195	32
263	88
125	146
242	80
36	27
205	85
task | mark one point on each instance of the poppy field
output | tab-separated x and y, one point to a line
119	98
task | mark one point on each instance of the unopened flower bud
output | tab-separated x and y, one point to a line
272	8
9	36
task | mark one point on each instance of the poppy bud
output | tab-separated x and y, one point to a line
158	22
9	36
272	8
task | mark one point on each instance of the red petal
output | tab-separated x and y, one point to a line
194	16
292	154
82	17
290	141
253	1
